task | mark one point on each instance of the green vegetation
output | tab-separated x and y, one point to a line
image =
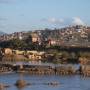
25	44
61	57
56	54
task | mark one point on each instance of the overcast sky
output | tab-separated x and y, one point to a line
23	15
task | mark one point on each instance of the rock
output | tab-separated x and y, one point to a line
20	83
54	83
2	86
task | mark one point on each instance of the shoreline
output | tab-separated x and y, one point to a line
46	70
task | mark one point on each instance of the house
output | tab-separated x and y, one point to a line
7	51
29	52
35	55
18	52
35	37
52	41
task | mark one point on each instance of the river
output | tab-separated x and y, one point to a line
65	82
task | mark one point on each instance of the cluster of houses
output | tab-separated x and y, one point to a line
74	35
16	35
71	35
18	55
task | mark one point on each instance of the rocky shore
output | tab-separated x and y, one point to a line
46	70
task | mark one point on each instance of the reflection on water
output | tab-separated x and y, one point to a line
43	82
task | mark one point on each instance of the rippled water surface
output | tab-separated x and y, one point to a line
66	82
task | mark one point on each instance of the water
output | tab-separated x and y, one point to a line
66	82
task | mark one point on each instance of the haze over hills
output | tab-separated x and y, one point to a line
1	33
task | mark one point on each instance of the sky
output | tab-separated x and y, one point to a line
25	15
